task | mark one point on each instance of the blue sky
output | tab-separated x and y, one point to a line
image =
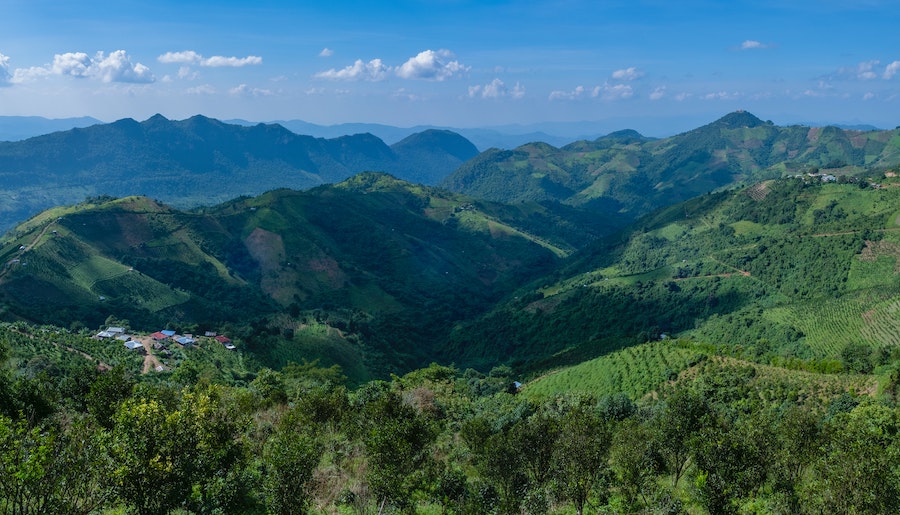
657	66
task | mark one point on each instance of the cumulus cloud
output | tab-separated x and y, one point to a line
374	70
751	44
326	52
203	89
186	57
627	74
115	67
431	65
891	70
575	94
658	93
245	90
496	89
234	62
868	96
4	70
862	71
720	95
192	57
75	64
613	91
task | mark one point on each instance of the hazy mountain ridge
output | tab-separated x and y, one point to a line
201	161
16	128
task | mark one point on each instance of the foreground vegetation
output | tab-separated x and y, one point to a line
719	435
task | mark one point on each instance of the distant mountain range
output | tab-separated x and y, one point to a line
202	161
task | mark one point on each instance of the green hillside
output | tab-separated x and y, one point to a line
369	273
626	173
794	272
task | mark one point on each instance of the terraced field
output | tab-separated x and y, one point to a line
634	371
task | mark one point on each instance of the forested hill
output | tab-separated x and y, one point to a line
369	273
790	270
202	161
625	172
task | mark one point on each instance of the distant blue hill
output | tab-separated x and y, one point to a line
17	128
504	137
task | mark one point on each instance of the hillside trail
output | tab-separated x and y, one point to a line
26	248
151	362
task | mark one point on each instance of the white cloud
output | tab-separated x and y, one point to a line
575	94
720	95
203	89
518	91
431	65
403	94
868	96
496	89
614	91
4	70
862	71
658	93
627	74
27	74
186	57
117	67
75	64
326	52
192	57
753	45
374	70
891	70
234	62
245	90
185	72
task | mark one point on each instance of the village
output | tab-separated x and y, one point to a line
156	345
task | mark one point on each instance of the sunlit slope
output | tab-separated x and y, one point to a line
788	269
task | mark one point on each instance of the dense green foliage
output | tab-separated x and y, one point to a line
724	436
790	272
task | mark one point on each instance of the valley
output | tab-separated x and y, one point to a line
712	318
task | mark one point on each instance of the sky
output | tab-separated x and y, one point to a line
659	66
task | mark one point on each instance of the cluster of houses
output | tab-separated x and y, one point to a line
118	333
161	338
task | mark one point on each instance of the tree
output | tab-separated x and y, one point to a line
106	393
397	443
636	462
290	457
152	468
683	414
857	472
45	470
731	460
580	455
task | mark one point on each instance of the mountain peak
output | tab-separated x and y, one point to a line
738	119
